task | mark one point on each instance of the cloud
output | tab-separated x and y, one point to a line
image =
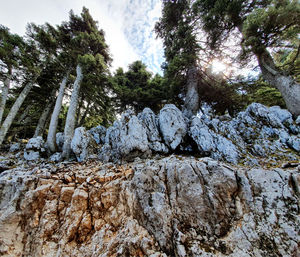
128	24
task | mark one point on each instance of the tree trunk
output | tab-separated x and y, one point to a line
4	94
51	138
13	111
191	103
288	87
24	114
71	115
82	120
81	103
43	118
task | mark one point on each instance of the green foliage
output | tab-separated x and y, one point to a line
11	51
272	26
137	88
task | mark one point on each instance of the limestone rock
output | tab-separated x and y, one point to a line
82	144
172	125
150	123
98	134
35	149
15	147
60	139
175	206
126	139
202	135
56	157
294	143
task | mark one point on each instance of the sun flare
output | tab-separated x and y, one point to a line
218	66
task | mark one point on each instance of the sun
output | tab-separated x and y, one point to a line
218	66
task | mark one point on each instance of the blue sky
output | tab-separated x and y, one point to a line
128	24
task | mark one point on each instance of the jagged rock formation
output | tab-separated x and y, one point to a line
174	206
254	135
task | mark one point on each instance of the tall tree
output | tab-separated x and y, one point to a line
51	137
181	50
266	26
11	47
86	45
137	88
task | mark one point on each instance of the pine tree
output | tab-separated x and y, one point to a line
263	25
86	46
137	88
181	50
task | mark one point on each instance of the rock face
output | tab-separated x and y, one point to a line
151	125
98	134
126	139
175	206
172	125
256	133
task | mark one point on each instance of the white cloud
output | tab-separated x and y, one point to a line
128	24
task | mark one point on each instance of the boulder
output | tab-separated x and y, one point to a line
150	123
60	139
202	135
56	157
294	143
15	147
172	125
35	149
126	139
98	134
82	144
264	115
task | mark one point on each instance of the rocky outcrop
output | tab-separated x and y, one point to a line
98	134
35	149
126	139
255	136
172	125
174	206
83	144
258	132
151	125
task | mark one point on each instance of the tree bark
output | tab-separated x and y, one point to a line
4	94
82	119
71	115
13	111
24	114
51	138
288	87
43	118
191	103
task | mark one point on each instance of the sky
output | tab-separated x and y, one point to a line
128	24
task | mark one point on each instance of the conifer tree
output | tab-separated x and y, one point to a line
264	26
86	46
181	50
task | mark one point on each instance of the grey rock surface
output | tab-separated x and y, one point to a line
257	132
126	139
60	139
172	125
35	149
15	147
98	134
174	206
82	144
150	123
